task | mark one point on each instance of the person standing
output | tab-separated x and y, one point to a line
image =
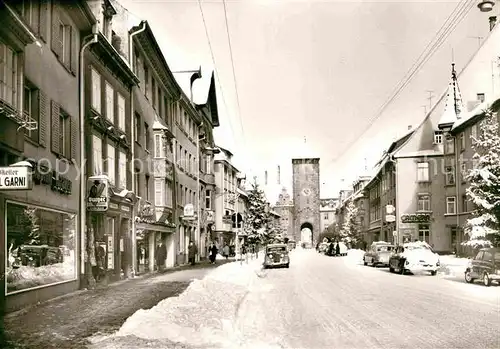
337	249
212	253
225	251
161	256
192	251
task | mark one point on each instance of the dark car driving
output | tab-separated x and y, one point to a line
485	267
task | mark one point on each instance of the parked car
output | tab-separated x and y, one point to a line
378	254
485	267
413	257
323	247
276	255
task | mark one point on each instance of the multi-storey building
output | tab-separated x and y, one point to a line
154	107
108	81
40	122
284	207
226	179
327	209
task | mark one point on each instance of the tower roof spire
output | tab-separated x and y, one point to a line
454	105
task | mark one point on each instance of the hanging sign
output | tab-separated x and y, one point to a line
98	194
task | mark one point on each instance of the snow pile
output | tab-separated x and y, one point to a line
354	256
453	266
201	316
477	243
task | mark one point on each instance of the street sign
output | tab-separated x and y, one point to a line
390	218
15	178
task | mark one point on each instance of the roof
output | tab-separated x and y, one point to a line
419	153
478	112
454	105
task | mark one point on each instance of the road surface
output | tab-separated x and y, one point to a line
328	302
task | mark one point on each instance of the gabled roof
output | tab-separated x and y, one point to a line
211	102
475	114
454	105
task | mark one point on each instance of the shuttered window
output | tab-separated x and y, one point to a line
122	170
96	155
64	39
31	110
64	132
8	75
30	11
159	195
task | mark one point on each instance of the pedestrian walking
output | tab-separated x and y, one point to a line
337	249
161	256
225	251
192	251
212	253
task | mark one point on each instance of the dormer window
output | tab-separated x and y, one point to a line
438	137
480	97
107	17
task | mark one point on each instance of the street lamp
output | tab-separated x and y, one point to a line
486	5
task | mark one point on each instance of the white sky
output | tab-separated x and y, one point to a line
314	70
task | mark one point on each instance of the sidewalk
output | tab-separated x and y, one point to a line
66	321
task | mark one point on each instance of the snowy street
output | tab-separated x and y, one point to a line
321	302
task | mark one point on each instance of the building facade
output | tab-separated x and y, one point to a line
108	83
40	122
284	207
328	216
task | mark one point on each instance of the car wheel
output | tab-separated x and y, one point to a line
365	262
433	272
486	280
287	265
468	277
391	270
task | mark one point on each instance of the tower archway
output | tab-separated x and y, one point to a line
306	235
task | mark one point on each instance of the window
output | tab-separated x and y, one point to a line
96	91
473	133
159	192
8	75
122	170
121	112
185	160
208	199
64	134
463	171
209	164
160	101
110	102
110	163
423	172
146	136
137	133
147	187
97	155
54	238
449	145
450	175
451	205
31	109
479	255
424	202
30	11
137	181
65	39
480	97
106	24
464	203
424	232
169	194
190	166
438	137
146	81
181	189
326	216
153	93
159	146
462	141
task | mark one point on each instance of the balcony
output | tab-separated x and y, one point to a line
162	168
207	178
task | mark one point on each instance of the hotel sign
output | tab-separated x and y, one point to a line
15	178
416	218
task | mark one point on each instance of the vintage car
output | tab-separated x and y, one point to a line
323	247
378	254
291	244
485	267
332	251
276	255
414	257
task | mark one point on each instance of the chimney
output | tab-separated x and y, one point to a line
279	175
265	177
409	127
493	22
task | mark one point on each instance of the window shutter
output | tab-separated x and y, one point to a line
74	138
44	12
74	51
56	43
55	127
44	109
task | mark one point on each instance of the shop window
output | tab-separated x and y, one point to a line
40	247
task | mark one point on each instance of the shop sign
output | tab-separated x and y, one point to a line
113	206
210	216
416	218
57	182
125	208
98	194
15	178
188	212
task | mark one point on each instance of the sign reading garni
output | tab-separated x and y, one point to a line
15	178
97	193
416	218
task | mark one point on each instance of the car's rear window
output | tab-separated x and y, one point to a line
276	249
497	257
385	248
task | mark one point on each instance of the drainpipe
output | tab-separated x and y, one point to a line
83	209
457	191
132	142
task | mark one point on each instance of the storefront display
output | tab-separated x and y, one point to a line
41	246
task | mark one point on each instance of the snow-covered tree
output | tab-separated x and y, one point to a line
350	231
257	222
484	178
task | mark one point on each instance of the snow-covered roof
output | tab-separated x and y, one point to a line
453	106
419	153
478	110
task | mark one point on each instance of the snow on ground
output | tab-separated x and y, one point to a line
202	316
451	266
354	257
